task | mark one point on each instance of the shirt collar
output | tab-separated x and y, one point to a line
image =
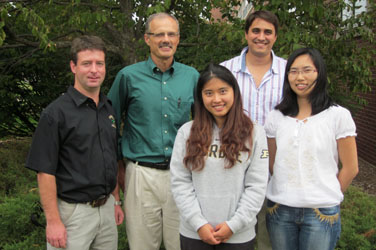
242	66
153	68
80	99
275	67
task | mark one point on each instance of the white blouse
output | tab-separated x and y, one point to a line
306	163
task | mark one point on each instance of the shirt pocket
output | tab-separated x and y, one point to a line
181	111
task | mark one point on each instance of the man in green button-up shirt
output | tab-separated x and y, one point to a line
156	98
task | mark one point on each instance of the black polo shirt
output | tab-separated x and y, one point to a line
76	141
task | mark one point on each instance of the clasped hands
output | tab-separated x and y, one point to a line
214	236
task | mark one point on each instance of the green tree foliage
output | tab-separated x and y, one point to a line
322	25
35	36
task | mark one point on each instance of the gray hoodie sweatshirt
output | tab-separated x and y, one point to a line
216	194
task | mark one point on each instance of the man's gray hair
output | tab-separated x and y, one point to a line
159	15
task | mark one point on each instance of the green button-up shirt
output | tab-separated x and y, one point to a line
155	104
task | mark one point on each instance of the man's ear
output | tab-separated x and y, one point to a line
73	66
147	39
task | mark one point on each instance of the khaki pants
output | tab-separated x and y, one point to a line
150	210
88	227
263	240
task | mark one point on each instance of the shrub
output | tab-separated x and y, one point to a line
15	222
358	218
32	242
15	178
20	200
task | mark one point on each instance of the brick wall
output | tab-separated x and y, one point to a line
365	120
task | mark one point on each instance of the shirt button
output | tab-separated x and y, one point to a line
164	83
166	148
165	115
165	98
165	131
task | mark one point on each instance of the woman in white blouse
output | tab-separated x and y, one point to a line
307	134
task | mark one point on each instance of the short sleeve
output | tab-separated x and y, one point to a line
270	124
44	150
345	125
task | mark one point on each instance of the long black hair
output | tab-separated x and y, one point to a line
319	98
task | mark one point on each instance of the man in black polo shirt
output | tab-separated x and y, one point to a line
74	151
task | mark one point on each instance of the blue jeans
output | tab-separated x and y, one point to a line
292	228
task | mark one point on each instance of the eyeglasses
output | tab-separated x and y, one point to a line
161	35
295	72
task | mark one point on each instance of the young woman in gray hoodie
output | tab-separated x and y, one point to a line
219	168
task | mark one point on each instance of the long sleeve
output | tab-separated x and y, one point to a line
255	182
182	185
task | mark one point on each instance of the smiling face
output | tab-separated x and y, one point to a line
302	76
162	47
218	98
261	37
89	70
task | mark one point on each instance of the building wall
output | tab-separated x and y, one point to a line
245	9
365	120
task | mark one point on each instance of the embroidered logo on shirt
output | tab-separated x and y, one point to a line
264	154
112	121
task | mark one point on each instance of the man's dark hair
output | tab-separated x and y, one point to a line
86	43
262	14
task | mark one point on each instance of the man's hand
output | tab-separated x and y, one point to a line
56	234
206	234
222	232
119	215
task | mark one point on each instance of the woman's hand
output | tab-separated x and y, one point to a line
222	232
206	235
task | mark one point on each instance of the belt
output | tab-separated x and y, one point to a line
160	165
98	202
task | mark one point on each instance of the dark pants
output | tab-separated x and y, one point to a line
193	244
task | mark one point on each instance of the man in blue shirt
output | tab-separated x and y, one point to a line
155	97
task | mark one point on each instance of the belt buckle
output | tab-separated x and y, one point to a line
99	202
94	203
